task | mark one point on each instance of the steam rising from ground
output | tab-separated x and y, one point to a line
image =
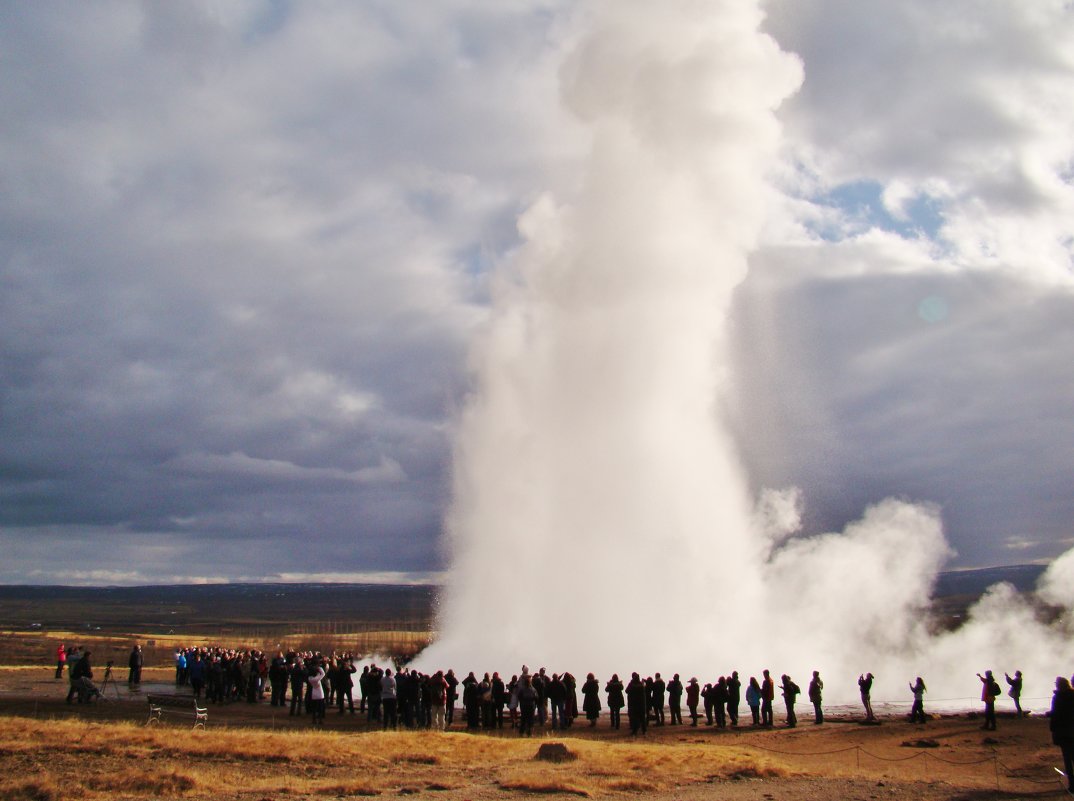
602	520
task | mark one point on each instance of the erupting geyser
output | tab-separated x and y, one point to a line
601	518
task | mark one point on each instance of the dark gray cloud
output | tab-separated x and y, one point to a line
245	248
237	255
857	389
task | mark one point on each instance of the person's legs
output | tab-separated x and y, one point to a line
1068	764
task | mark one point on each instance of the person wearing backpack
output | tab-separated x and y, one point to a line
990	690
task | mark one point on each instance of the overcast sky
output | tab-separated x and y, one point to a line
245	247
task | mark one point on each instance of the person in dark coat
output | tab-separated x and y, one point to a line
471	701
637	701
134	676
570	684
659	690
865	687
693	696
816	697
527	705
790	695
277	676
452	697
344	684
81	674
557	700
298	678
734	696
499	699
1061	724
616	699
719	702
989	692
917	711
675	700
768	694
1015	691
591	699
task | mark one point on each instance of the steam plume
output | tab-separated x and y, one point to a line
601	518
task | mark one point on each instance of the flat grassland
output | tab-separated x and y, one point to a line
250	752
50	750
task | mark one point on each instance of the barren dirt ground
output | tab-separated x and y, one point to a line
949	758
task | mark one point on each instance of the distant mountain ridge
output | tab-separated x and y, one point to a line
975	582
190	606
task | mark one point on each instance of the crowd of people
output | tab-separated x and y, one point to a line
309	683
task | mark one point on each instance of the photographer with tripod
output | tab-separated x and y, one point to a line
81	680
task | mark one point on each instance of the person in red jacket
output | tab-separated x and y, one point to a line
61	661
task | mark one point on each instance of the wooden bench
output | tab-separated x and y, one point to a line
158	702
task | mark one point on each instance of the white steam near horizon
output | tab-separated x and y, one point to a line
602	519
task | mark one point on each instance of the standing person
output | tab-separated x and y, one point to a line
707	698
452	697
499	700
80	675
134	664
540	684
277	676
527	705
1061	725
316	702
196	669
768	694
990	690
373	711
363	689
438	690
591	699
693	696
917	711
487	711
387	699
659	691
570	684
471	701
1015	692
298	676
734	694
512	700
675	700
61	660
616	699
344	683
816	695
557	700
753	700
180	668
790	694
637	705
865	687
719	702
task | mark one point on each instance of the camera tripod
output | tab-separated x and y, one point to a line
108	679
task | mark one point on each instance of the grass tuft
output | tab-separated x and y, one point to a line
543	786
136	781
33	790
348	789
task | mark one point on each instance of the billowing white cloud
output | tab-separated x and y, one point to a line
245	251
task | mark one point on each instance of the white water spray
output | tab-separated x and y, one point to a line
601	519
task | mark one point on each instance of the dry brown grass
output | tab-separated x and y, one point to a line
105	760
